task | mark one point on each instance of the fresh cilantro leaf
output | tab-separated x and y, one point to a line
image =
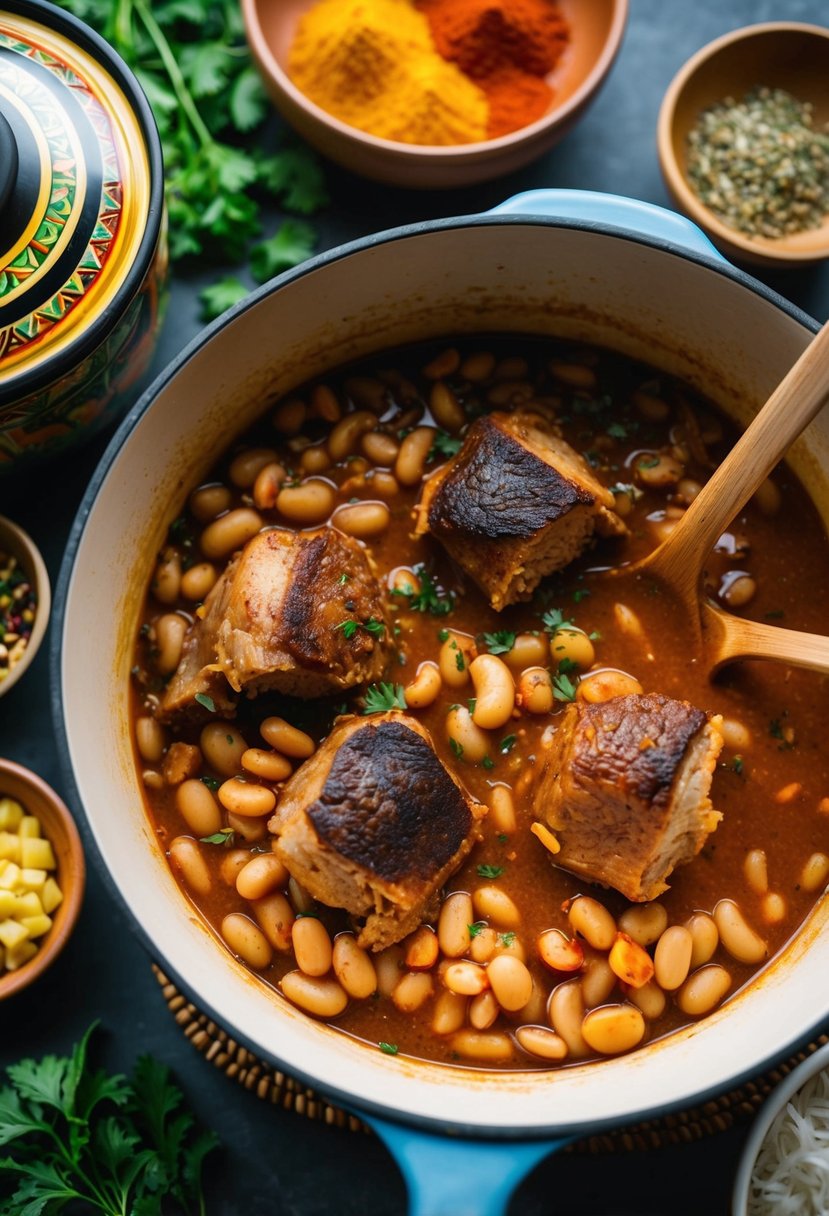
563	687
380	698
220	296
343	579
212	783
457	748
565	666
349	628
554	619
476	928
429	598
443	635
580	595
97	1142
460	662
223	836
208	702
506	939
374	627
488	871
293	242
488	762
294	176
389	1049
500	642
445	445
247	101
507	744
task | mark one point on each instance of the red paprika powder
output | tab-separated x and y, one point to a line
507	47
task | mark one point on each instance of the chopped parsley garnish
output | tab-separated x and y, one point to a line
208	702
389	1049
471	703
554	619
502	838
500	642
488	871
595	636
563	687
738	765
580	595
506	939
350	627
223	836
429	598
617	430
460	663
488	762
507	744
443	444
380	698
212	783
565	665
457	748
443	635
343	579
477	928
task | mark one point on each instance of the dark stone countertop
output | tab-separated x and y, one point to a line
272	1161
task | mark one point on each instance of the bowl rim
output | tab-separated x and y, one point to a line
330	1085
760	250
774	1103
269	64
12	982
40	577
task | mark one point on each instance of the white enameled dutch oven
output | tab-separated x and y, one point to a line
596	267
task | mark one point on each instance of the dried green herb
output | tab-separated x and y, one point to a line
760	165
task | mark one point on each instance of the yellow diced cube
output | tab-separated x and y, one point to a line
32	880
36	926
12	933
11	813
27	904
8	899
51	896
10	877
37	854
29	827
9	846
19	955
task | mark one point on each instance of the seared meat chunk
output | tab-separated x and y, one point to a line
375	824
275	620
514	505
625	788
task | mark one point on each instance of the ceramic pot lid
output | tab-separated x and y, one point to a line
75	191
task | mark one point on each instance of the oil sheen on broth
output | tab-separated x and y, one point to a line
589	991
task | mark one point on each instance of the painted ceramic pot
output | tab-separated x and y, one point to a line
82	247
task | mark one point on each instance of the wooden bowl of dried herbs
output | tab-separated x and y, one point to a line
25	600
743	140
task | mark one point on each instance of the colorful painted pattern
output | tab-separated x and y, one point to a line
65	196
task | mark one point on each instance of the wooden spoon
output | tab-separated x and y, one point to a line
678	562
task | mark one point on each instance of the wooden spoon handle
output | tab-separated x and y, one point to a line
732	637
790	408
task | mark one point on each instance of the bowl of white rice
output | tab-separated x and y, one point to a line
784	1169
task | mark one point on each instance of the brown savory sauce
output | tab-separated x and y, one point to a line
652	440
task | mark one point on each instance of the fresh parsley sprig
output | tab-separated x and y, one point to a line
430	598
193	62
82	1137
380	698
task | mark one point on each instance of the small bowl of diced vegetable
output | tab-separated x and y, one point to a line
42	876
25	600
785	1162
743	139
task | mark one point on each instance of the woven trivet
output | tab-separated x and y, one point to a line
276	1087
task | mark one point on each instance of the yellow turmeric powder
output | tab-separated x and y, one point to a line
373	64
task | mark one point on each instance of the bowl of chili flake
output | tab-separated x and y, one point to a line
25	599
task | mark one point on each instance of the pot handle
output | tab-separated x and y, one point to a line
614	211
454	1176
